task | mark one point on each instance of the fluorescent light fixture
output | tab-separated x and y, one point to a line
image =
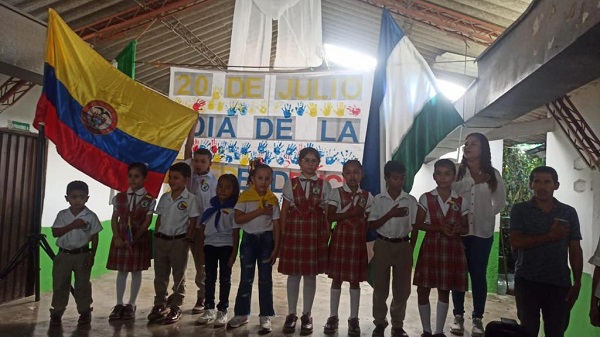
451	90
349	58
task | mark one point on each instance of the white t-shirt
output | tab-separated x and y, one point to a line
444	204
222	236
203	186
398	227
79	237
174	214
483	204
260	224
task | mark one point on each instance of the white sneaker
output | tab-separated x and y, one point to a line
221	319
237	321
265	325
458	326
207	316
477	328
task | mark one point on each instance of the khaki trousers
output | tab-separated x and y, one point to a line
170	256
63	266
396	257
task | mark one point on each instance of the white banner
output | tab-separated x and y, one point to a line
247	115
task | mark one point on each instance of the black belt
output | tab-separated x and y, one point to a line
393	240
169	237
75	251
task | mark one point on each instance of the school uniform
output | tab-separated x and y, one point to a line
171	247
218	222
204	186
72	254
304	242
392	250
256	248
348	249
132	209
442	262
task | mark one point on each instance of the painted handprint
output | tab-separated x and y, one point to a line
294	158
327	109
245	148
243	109
312	109
213	146
291	149
232	109
214	99
340	108
205	144
232	147
354	110
216	158
245	160
287	110
277	147
262	147
268	157
300	108
331	156
263	108
345	156
199	105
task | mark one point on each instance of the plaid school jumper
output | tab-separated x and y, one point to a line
442	261
348	249
138	256
304	247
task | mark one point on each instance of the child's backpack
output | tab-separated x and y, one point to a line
505	328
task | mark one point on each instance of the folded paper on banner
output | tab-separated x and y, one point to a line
100	119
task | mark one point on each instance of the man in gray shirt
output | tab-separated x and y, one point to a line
546	235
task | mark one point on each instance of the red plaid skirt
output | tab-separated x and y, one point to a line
348	253
442	263
304	246
134	259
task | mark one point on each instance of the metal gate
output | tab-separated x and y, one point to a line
18	153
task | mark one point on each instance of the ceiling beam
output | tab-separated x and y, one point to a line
446	20
120	23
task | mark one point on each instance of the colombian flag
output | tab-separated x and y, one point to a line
100	119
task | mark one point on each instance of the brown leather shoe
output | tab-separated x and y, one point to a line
116	313
158	312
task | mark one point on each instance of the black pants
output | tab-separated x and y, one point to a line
533	297
217	257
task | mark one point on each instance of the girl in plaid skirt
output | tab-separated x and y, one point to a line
349	207
130	246
442	263
305	233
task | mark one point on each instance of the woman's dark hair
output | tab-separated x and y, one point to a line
140	166
308	150
234	182
485	161
255	165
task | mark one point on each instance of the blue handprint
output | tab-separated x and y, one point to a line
228	158
268	157
232	147
331	157
245	148
280	160
232	109
294	158
321	151
262	147
345	156
300	108
309	145
243	108
291	149
287	110
277	147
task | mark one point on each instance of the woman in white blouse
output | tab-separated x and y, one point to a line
481	186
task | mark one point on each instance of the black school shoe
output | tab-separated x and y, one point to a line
116	313
158	312
85	318
174	316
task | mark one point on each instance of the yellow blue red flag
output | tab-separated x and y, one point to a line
100	119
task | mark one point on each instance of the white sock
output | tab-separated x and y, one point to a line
293	288
440	314
425	313
354	302
334	301
121	282
136	284
308	293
